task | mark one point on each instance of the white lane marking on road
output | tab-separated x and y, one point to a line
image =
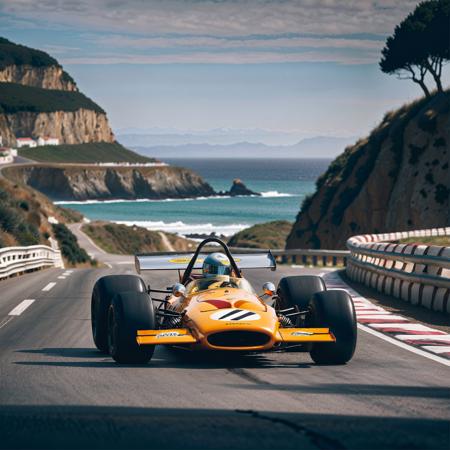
125	262
411	349
21	307
438	348
61	277
49	286
66	274
5	321
108	265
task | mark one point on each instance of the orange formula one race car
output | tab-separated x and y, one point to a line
213	307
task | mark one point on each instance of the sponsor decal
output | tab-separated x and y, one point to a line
301	333
168	334
183	260
235	315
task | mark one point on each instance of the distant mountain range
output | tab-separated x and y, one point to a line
149	137
316	147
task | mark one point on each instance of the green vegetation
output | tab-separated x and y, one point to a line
16	97
15	54
68	244
83	153
17	223
441	194
70	215
430	240
271	235
420	44
129	240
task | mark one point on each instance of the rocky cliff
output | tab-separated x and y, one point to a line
70	127
395	179
38	98
49	77
92	182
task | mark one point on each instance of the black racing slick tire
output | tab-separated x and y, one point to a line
298	290
104	290
334	310
128	313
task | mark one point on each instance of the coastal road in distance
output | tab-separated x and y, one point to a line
58	391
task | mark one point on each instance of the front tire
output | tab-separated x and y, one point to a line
334	310
128	313
298	290
104	290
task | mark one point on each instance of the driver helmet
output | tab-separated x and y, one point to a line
216	264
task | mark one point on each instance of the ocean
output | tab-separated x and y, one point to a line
283	184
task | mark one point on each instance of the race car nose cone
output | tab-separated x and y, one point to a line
235	315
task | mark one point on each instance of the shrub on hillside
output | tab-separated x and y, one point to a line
68	244
14	220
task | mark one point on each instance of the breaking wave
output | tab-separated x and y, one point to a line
184	229
268	194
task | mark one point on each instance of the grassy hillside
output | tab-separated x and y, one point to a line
83	153
125	240
428	240
394	179
16	97
24	220
270	235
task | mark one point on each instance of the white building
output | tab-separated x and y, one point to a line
46	140
26	142
6	155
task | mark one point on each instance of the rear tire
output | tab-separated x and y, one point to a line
334	310
104	290
128	313
298	290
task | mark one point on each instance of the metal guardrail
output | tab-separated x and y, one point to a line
15	260
312	257
417	273
303	256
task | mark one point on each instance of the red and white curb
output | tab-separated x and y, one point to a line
432	343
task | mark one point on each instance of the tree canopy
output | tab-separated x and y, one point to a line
420	44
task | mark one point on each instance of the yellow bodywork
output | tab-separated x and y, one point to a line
228	318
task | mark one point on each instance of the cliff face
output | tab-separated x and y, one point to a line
47	77
396	179
69	127
91	182
35	107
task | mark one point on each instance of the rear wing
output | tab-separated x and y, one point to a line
180	261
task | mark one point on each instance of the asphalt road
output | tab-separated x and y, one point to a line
58	391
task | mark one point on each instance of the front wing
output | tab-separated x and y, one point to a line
178	336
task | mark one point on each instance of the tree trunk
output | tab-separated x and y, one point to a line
422	84
437	79
436	74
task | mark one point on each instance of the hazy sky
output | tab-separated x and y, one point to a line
308	66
